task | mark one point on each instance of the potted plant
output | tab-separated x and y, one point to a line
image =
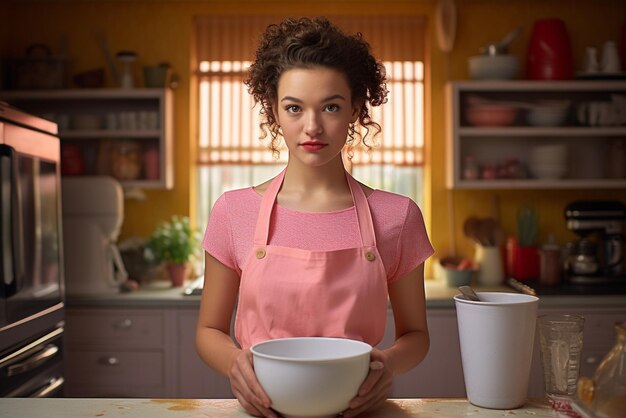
175	243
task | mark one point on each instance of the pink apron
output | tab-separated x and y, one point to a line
291	292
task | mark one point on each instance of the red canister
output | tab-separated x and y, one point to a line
549	51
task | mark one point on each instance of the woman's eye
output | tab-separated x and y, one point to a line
332	108
292	108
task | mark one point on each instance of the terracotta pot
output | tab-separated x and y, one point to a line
177	273
549	51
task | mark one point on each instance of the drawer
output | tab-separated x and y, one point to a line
600	330
119	370
111	329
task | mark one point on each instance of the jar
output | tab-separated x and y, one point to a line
606	392
126	160
470	168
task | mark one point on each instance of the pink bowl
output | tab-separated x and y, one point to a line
491	115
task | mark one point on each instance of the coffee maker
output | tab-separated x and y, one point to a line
598	256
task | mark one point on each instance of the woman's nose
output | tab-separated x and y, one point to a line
313	125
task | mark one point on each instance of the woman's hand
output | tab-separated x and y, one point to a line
375	389
246	387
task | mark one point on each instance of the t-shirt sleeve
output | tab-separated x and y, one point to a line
217	239
414	246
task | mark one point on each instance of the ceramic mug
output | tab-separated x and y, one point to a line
610	58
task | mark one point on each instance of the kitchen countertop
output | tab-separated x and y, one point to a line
229	408
438	296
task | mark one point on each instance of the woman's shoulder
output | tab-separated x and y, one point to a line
385	198
236	198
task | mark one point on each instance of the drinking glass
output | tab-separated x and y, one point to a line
561	341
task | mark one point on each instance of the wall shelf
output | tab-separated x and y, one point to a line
103	124
596	154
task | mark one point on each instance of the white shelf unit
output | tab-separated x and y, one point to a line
65	106
496	144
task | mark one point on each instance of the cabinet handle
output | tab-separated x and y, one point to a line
109	361
124	324
591	360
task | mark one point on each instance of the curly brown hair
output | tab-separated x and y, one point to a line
307	43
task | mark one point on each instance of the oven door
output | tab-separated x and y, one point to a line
30	233
34	370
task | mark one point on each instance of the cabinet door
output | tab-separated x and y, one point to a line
196	379
440	374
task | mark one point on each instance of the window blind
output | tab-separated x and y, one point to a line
229	125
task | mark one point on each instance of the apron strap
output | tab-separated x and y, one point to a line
364	216
262	231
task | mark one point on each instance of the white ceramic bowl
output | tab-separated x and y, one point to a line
311	376
547	115
494	67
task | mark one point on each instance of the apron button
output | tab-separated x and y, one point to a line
370	256
260	253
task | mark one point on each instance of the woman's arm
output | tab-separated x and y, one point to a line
409	312
214	343
410	347
219	295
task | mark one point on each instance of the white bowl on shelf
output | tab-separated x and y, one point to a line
494	67
548	114
311	376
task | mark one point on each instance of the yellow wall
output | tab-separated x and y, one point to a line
161	31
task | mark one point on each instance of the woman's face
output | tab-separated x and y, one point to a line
314	110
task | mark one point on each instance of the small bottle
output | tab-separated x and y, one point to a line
550	263
470	168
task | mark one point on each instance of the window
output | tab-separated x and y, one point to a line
230	154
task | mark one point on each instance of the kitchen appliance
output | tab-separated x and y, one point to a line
549	55
93	213
31	288
598	256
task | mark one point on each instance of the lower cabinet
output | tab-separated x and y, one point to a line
114	352
195	378
118	353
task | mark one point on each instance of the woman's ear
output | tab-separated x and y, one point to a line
356	110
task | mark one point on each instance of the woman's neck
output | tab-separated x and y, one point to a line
315	189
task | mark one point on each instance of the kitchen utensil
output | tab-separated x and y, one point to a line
501	47
469	293
104	48
549	54
521	287
494	67
496	336
471	227
311	376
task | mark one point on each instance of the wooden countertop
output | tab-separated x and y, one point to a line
230	408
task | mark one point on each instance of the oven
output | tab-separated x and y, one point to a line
31	255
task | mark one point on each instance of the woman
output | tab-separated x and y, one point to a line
313	252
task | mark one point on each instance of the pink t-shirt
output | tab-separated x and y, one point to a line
401	236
